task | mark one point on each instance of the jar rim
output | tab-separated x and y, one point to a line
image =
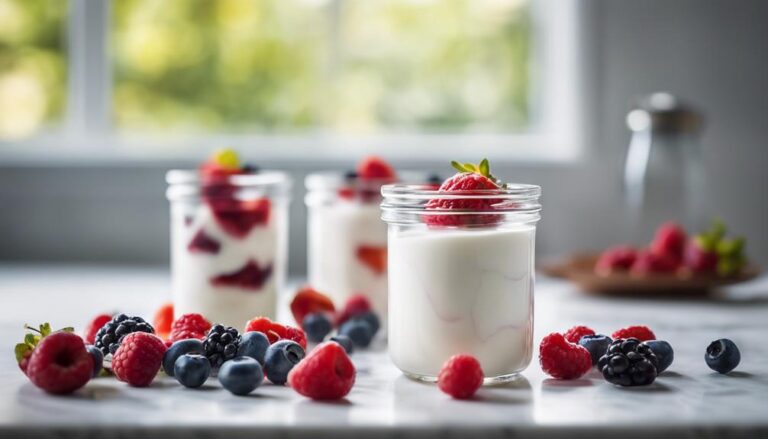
265	177
332	180
511	191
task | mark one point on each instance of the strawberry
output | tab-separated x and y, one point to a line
251	276
374	258
472	180
163	320
203	243
23	351
700	260
648	262
275	331
670	241
238	217
375	168
89	335
307	301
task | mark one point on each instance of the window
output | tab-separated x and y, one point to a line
415	76
33	66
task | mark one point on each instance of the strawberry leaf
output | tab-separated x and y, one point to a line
31	339
20	350
485	168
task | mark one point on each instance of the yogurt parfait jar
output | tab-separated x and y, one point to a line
461	277
229	235
347	240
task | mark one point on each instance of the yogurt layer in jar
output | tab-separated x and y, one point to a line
461	276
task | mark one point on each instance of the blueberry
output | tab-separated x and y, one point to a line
191	370
253	344
179	348
597	345
98	359
722	355
280	359
359	331
372	320
241	375
345	342
663	352
317	326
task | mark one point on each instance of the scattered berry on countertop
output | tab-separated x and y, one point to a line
179	348
359	331
664	354
629	362
640	332
471	177
574	334
253	344
307	301
722	355
60	363
345	342
138	358
192	370
98	359
596	344
221	344
163	320
561	359
189	326
670	241
461	376
23	351
297	335
375	168
317	325
355	304
273	330
280	358
372	319
326	373
616	259
108	338
241	375
89	335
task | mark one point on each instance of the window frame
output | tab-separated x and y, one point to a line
87	133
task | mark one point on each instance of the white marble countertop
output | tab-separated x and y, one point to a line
689	400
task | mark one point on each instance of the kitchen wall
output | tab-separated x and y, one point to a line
712	52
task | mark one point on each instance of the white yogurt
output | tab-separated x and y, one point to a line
336	233
461	292
193	291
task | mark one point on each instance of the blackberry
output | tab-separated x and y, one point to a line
628	362
221	344
110	335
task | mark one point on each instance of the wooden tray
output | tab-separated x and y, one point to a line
579	268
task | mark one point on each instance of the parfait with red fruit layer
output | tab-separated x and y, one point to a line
461	273
229	229
347	240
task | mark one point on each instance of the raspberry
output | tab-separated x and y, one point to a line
460	376
326	373
574	334
615	259
138	359
648	262
670	241
297	335
60	363
374	258
642	333
375	168
472	180
355	304
251	276
89	335
163	320
189	326
309	301
561	359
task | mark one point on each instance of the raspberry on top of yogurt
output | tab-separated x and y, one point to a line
235	216
471	180
364	183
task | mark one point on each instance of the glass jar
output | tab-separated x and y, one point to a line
461	280
229	237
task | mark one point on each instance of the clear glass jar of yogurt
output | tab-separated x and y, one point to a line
229	236
461	280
